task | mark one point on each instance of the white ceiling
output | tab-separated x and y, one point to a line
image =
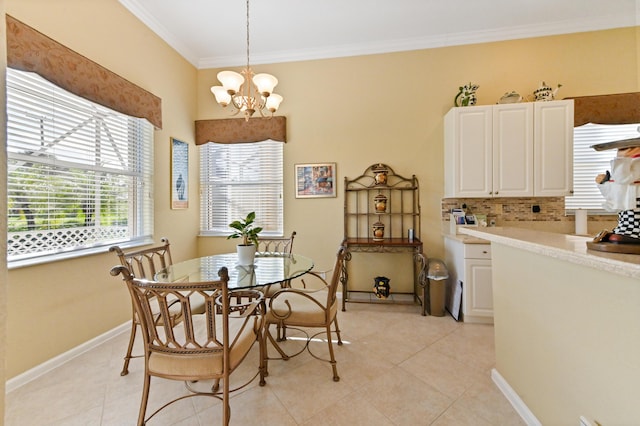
212	33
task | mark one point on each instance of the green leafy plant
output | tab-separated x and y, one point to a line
246	230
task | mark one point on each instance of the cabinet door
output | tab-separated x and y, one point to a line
468	147
553	154
513	150
477	289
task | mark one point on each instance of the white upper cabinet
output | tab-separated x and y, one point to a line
513	150
468	152
509	150
553	148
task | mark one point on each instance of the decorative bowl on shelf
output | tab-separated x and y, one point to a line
510	98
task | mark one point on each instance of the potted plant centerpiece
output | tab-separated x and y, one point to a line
246	230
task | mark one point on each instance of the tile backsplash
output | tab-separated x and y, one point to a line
504	210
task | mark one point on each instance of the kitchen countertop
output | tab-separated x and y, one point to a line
465	239
571	248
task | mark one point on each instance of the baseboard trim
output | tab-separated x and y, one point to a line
39	370
518	404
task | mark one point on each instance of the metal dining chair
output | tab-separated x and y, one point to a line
207	346
143	263
303	308
276	246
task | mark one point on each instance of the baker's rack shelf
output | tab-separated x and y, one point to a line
381	199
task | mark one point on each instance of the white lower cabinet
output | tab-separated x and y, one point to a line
470	263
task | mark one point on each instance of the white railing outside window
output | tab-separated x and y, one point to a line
79	174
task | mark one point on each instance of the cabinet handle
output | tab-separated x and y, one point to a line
484	251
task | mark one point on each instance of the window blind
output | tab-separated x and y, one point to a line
236	179
79	174
588	163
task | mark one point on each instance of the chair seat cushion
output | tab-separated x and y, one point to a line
182	366
304	311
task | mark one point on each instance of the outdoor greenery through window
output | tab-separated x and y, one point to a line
79	174
588	163
236	179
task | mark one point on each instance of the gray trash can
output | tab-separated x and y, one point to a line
437	275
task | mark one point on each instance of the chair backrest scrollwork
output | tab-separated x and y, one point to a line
147	262
276	246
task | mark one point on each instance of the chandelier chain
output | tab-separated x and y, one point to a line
247	34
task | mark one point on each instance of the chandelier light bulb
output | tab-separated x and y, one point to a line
221	94
273	102
265	83
231	81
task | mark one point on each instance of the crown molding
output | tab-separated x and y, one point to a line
385	46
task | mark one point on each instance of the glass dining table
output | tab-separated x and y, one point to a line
266	270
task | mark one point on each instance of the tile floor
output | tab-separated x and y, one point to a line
396	368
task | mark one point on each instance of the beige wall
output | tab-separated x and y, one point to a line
567	338
60	305
352	111
389	108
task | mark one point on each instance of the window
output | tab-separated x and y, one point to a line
236	179
79	174
588	163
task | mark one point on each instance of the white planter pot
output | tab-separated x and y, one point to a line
246	254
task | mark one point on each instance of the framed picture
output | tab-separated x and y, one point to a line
179	174
315	180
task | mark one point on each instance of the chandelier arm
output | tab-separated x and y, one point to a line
237	101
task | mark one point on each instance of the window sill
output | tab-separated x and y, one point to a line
72	254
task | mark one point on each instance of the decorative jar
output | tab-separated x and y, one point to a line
378	231
380	202
381	287
380	172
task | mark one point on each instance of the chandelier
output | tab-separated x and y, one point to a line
246	91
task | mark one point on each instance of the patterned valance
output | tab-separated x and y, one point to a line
30	50
623	108
238	130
